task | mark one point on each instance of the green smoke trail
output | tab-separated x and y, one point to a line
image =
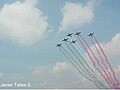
72	61
82	67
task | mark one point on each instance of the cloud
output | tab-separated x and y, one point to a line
43	70
1	75
112	51
43	77
59	75
61	67
23	22
76	15
117	70
111	47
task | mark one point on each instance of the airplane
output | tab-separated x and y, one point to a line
91	34
65	39
69	34
58	45
74	42
77	33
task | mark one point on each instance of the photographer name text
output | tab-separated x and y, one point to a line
15	85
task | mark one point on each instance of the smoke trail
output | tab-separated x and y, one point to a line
107	61
101	59
85	61
70	58
71	61
76	57
93	61
83	55
96	59
88	69
79	60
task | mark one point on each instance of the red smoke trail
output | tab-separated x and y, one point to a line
95	58
93	61
106	60
102	60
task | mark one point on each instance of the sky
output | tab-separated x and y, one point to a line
30	30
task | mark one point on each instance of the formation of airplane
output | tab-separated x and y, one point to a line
91	34
59	45
74	41
70	35
77	33
65	39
